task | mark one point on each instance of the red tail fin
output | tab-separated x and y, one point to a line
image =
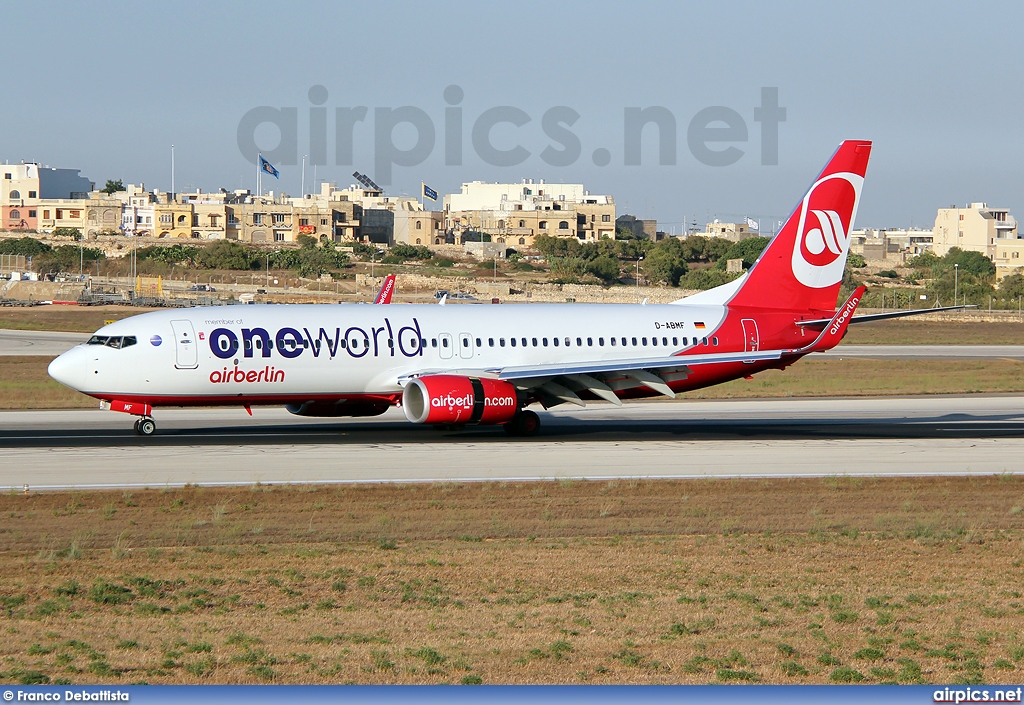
386	290
802	268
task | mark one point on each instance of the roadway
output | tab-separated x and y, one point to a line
974	434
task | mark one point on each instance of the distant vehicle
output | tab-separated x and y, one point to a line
462	296
440	293
201	287
261	291
247	298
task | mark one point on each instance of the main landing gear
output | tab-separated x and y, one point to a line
145	426
524	423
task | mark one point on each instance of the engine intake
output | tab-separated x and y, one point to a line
453	399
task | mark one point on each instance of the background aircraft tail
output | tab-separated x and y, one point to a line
802	267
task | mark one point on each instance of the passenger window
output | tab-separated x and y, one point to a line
513	341
664	341
479	343
686	341
465	342
391	343
423	342
344	344
579	342
433	342
613	341
590	342
643	341
567	342
714	341
524	342
624	341
704	340
444	342
555	341
490	342
544	341
501	342
600	342
654	341
534	342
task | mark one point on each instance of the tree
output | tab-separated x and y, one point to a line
27	246
969	261
665	262
605	268
856	261
748	250
226	254
1012	286
112	186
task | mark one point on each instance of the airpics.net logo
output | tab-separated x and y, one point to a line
503	135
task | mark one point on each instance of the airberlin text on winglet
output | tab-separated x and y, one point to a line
291	342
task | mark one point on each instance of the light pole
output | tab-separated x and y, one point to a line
956	282
268	271
638	278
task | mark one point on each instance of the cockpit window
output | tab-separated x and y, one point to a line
113	341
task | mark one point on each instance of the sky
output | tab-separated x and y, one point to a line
109	87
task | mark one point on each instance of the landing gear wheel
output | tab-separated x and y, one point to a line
137	426
525	423
145	427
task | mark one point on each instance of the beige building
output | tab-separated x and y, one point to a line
976	227
26	184
418	227
514	214
733	232
990	231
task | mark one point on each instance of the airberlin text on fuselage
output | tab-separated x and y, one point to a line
291	342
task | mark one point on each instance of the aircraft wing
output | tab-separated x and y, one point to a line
868	318
562	382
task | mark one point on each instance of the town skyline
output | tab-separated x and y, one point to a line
943	120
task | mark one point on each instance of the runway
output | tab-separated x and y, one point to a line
36	342
925	352
745	438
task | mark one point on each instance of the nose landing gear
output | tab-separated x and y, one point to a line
145	426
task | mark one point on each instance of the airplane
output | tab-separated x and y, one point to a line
387	290
454	366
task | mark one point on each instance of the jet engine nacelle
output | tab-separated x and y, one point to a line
453	399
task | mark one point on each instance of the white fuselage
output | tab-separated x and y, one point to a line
233	354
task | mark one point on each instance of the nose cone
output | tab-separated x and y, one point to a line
68	369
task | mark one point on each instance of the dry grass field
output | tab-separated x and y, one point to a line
789	581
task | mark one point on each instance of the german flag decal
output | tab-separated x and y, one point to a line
699	325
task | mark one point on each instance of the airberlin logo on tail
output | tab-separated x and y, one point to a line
823	234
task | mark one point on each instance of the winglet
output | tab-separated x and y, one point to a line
836	328
386	290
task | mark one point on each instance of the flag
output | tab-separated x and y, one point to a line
753	224
268	168
429	193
